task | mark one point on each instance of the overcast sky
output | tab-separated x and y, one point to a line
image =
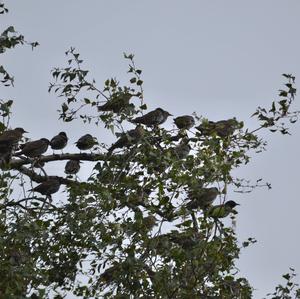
218	58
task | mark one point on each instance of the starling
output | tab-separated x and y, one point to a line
226	127
222	128
8	140
11	137
111	273
184	122
128	138
59	141
185	240
86	142
72	166
152	118
47	187
5	153
182	150
149	222
117	103
35	148
222	211
202	197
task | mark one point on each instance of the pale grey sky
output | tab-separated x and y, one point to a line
218	58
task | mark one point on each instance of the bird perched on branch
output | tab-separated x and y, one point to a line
72	166
11	137
222	211
152	118
201	197
47	187
182	150
184	122
86	142
149	222
117	102
5	154
35	148
222	128
126	139
186	240
59	141
8	140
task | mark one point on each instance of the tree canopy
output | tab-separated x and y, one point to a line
149	220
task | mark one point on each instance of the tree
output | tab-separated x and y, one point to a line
146	223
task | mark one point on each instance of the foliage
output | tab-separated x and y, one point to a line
128	231
288	291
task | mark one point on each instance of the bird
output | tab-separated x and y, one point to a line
226	127
11	137
5	153
8	140
59	141
35	148
182	150
128	138
185	240
149	222
86	142
72	166
117	103
47	187
222	128
152	118
201	197
184	122
223	210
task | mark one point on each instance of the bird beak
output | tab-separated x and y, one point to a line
170	114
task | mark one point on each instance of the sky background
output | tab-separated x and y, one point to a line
218	58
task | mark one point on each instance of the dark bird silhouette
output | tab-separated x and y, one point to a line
201	197
126	139
5	153
8	140
222	211
86	142
11	137
184	122
185	240
48	187
117	103
72	166
152	118
59	141
149	222
222	128
35	148
182	150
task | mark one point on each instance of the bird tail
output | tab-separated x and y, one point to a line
135	120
